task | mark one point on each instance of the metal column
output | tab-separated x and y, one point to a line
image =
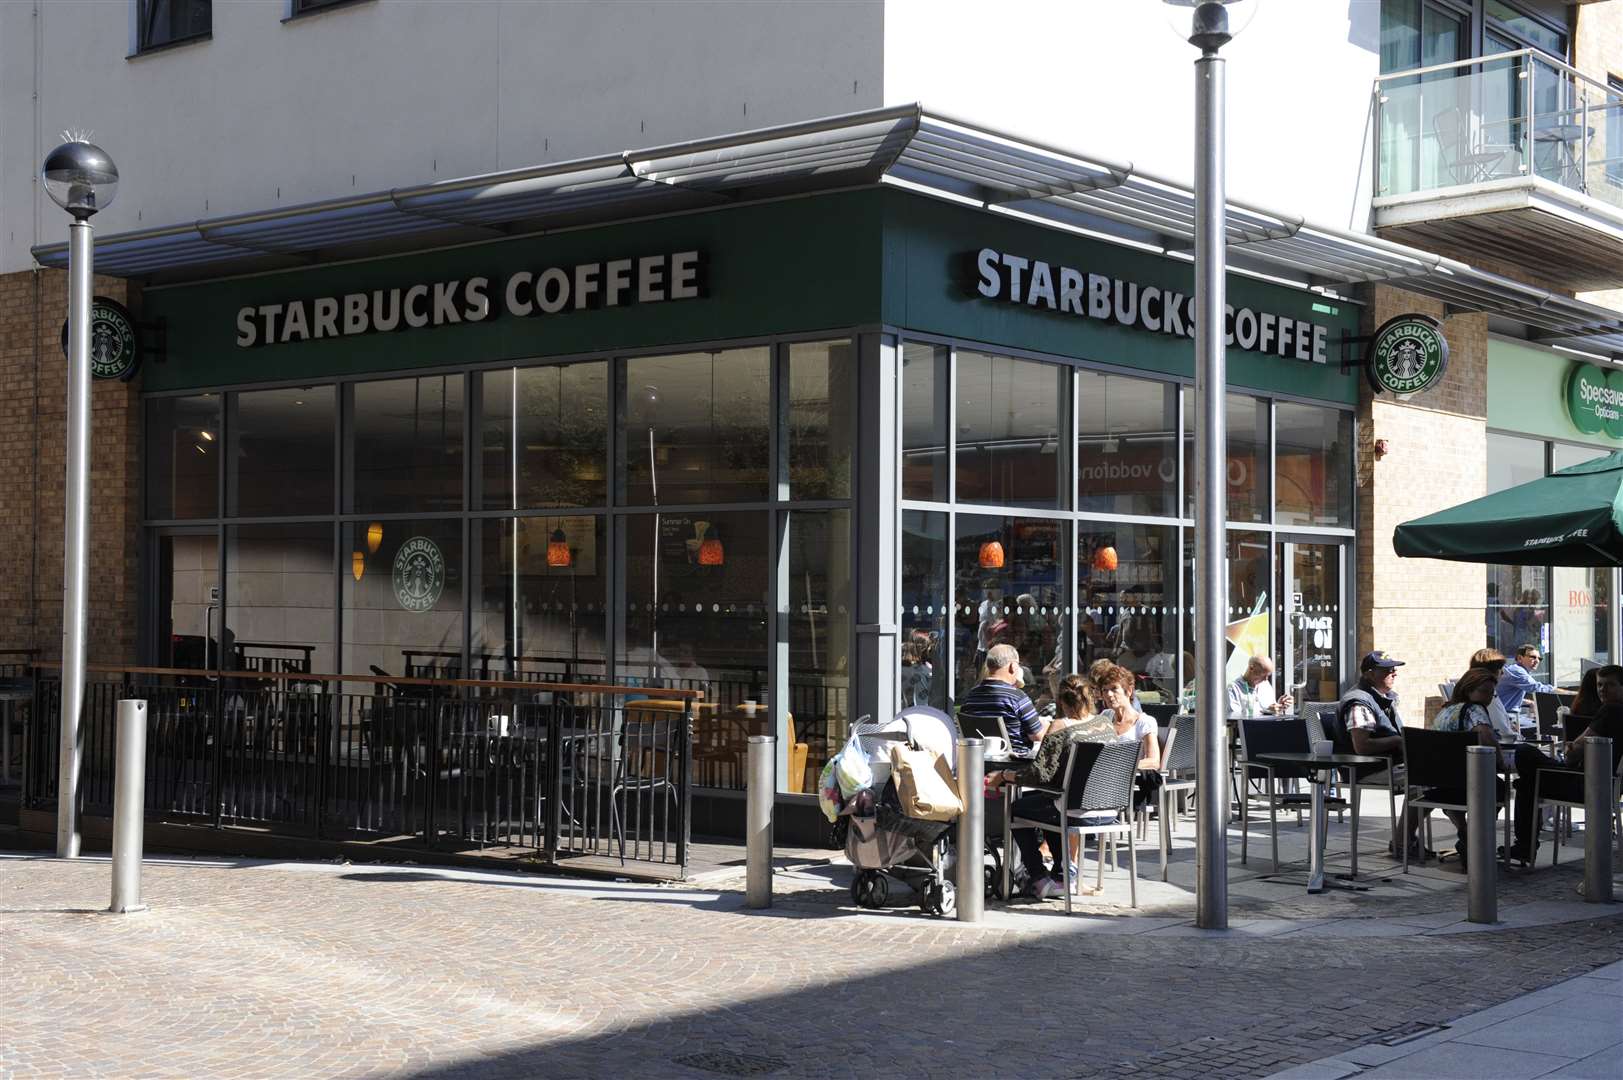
75	543
758	794
129	806
1598	809
971	884
1482	872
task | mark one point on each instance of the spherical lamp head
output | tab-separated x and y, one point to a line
80	178
1214	23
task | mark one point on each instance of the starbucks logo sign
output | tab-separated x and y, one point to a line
1408	355
114	350
419	574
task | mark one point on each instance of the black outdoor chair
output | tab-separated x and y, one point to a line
1436	767
1098	778
1284	735
1179	767
1565	804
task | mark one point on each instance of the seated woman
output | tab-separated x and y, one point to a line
1113	686
1046	770
1467	710
1494	661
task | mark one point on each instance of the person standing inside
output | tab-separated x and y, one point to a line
1518	679
1252	694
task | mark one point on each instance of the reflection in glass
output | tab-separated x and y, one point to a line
1249	604
188	611
1010	417
924	422
819	641
1582	602
183	455
924	609
821	429
407	445
1519	611
1127	449
1127	581
560	454
279	585
281	459
1247	458
1011	588
1565	455
694	427
1313	465
403	602
538	610
1513	460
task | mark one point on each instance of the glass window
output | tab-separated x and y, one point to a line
694	427
1250	601
1011	414
281	459
1580	602
1527	29
188	602
183	456
1565	455
819	643
821	427
406	444
403	598
1127	448
924	422
924	609
164	22
1011	589
1247	469
559	456
1518	610
538	604
279	588
1313	465
1127	586
1513	461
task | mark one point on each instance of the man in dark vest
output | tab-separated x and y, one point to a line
1368	722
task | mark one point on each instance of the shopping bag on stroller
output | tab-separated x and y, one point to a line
924	784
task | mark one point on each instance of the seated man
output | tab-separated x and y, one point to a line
1565	781
1368	722
999	697
1252	694
1517	681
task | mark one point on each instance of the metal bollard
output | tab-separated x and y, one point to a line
758	821
129	805
971	884
1598	821
1482	873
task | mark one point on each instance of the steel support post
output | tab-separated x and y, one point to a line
129	806
1210	599
75	539
971	875
1598	809
1482	872
758	821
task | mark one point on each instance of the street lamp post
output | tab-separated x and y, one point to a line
1209	32
81	179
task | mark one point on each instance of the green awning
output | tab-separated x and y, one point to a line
1573	517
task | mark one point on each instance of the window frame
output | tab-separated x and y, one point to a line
141	38
303	9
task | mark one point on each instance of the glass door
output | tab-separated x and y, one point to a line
189	630
1311	620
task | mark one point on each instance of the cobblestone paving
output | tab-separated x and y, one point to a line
319	970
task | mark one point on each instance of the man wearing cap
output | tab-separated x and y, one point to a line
1368	722
999	697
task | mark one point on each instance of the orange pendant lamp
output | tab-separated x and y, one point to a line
1105	559
558	550
991	557
374	536
711	553
357	564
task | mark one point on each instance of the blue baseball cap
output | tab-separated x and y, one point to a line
1379	659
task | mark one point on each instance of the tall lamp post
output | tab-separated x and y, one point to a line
81	179
1209	31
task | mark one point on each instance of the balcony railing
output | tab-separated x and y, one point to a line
1510	115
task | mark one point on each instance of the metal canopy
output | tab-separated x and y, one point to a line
904	145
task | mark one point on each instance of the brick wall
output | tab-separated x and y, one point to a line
33	405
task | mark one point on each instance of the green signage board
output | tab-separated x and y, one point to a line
1594	399
1408	355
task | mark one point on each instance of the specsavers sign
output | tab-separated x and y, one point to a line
1594	398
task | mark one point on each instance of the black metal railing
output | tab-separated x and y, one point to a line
557	770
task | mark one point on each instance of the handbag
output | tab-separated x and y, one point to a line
924	784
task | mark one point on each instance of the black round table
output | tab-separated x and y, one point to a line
1321	766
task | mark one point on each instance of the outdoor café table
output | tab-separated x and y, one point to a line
1323	766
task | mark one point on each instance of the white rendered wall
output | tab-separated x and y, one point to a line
398	92
1110	77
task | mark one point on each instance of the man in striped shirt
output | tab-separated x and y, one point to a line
999	697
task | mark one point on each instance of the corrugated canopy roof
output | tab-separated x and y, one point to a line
906	145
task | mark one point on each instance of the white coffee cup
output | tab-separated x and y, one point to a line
1324	746
747	707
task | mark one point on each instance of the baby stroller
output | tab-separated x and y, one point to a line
881	841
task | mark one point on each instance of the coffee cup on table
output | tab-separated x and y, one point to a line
1322	746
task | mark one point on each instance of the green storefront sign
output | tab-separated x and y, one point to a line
1594	399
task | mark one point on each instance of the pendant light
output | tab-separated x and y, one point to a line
374	537
1105	559
991	557
558	549
357	564
710	549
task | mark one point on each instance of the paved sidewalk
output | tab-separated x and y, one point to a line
1571	1031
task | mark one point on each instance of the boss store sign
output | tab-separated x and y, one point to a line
553	290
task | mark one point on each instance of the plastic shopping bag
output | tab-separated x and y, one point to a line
851	768
829	799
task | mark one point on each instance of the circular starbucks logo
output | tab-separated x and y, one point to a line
114	352
419	574
1409	355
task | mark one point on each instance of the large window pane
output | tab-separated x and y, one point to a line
1565	455
407	445
559	454
188	602
819	642
281	459
924	422
1581	602
1313	465
403	598
1512	461
821	428
1249	603
924	609
1127	445
1011	414
164	22
1011	588
538	602
1246	468
183	456
1518	608
1127	582
694	427
279	585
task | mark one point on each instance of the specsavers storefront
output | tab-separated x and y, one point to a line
812	456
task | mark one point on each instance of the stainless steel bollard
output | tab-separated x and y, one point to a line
971	883
1598	808
1481	822
129	806
763	751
